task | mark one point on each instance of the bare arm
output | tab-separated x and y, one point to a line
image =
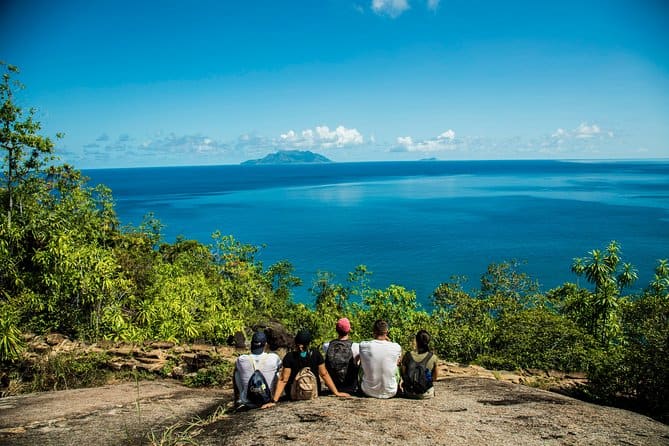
328	381
280	386
234	383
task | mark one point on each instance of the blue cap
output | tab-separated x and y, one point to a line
258	342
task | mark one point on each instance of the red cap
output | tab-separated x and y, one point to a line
343	325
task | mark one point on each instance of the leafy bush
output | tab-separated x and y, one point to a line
11	343
397	306
219	374
538	338
68	371
494	362
636	372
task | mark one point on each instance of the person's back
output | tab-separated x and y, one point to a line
302	371
379	360
419	369
342	357
296	361
267	364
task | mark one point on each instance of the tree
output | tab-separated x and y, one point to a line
26	153
660	284
507	280
604	270
281	276
397	306
465	324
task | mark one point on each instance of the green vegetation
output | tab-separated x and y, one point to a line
218	374
68	371
68	266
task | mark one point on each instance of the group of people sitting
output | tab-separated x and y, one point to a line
374	368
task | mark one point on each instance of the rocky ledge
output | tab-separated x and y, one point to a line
473	406
165	359
465	411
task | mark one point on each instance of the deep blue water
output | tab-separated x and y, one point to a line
412	223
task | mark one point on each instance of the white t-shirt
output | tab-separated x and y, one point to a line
267	363
378	360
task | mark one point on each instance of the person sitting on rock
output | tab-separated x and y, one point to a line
302	371
379	360
342	358
252	390
419	369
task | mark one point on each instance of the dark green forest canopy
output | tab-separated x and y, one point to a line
68	265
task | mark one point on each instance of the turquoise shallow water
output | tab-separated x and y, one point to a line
412	223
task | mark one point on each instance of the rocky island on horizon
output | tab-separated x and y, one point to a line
290	157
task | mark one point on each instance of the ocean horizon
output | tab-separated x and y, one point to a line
412	223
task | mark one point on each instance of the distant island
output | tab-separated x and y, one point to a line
291	157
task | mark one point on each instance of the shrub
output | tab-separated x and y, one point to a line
636	372
68	371
397	306
493	362
538	338
219	374
11	344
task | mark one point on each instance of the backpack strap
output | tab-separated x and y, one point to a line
426	359
261	360
310	360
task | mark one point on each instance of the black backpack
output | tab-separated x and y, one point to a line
257	390
418	378
339	363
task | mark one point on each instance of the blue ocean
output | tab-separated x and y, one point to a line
414	224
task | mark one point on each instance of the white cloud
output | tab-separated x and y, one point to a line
559	133
405	141
587	131
182	145
583	131
444	142
392	8
586	138
395	8
448	134
323	138
157	150
289	135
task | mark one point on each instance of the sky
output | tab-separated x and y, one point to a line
156	83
